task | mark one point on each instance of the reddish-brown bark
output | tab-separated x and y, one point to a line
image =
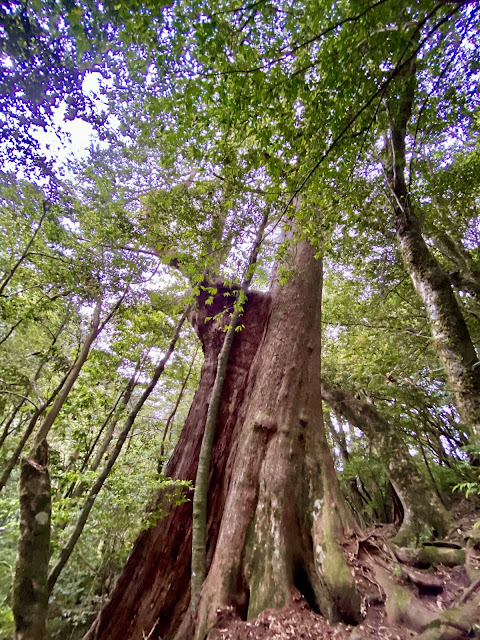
276	515
152	593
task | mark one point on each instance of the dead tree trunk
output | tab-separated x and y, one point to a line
275	514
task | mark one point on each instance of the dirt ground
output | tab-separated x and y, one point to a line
296	620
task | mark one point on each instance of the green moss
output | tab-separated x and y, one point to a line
399	601
412	535
440	555
345	601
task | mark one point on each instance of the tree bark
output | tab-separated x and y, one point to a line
30	589
423	513
451	337
276	517
200	496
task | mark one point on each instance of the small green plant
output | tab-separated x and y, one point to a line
6	623
469	488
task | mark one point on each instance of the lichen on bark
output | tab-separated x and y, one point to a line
30	589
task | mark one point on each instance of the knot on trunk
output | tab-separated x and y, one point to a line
265	423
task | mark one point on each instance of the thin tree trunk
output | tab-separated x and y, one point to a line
173	413
424	514
8	423
430	474
28	432
153	592
200	497
354	495
30	589
72	377
77	489
11	330
452	339
10	275
44	361
31	594
112	411
5	432
111	429
338	437
94	491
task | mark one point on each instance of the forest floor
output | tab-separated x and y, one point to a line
442	587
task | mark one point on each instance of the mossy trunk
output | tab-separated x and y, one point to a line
423	513
276	518
30	589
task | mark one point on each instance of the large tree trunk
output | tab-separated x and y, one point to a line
154	589
276	516
451	337
423	513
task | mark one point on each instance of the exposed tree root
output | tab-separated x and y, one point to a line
396	610
454	624
429	555
423	580
401	605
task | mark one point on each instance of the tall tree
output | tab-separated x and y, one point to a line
452	339
271	477
423	513
257	104
297	98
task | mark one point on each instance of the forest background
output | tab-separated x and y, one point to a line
352	126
